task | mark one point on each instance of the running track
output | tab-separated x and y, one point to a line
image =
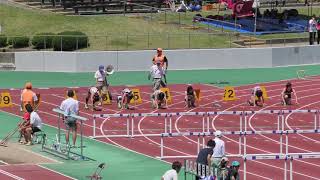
307	90
27	171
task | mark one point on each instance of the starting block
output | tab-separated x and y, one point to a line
198	94
74	97
136	97
264	91
5	100
229	94
106	99
168	95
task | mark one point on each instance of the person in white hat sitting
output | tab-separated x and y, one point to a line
218	151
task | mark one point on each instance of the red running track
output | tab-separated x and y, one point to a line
28	172
307	91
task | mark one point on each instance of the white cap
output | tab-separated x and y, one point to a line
224	158
218	133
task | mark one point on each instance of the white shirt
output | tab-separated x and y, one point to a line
70	106
126	91
100	77
170	175
93	90
156	71
256	4
255	89
219	149
312	25
35	120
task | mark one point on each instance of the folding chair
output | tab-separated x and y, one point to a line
96	175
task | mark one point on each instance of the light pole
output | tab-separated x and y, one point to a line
255	16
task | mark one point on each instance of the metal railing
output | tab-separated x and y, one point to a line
167	41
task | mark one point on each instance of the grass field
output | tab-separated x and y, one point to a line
110	32
130	32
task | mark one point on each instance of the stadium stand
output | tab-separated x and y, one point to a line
93	7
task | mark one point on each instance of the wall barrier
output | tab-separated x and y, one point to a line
205	59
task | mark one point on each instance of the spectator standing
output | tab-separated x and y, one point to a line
205	154
218	151
28	97
172	174
312	29
318	30
70	106
100	77
157	73
163	60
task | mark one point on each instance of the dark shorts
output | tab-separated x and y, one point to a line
259	93
288	101
70	123
35	129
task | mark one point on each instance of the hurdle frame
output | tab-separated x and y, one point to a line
59	153
168	119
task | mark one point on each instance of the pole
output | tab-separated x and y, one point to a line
165	124
128	127
245	122
59	128
208	121
315	120
245	168
241	117
255	17
203	124
281	143
285	168
240	139
170	125
132	127
161	147
81	138
282	122
287	143
291	176
198	144
278	122
245	145
94	127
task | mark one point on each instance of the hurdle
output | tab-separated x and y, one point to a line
196	169
241	134
286	157
168	119
56	148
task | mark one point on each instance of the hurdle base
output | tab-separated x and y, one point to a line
67	156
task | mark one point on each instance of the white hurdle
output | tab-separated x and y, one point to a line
168	121
206	116
242	134
286	157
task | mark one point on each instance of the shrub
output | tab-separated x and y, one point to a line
19	42
70	40
3	41
42	40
